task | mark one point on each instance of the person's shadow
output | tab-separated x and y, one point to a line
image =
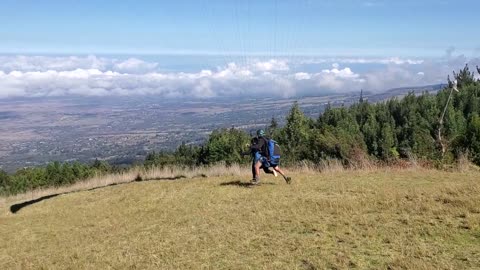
239	183
17	207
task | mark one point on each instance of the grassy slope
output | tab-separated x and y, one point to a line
398	219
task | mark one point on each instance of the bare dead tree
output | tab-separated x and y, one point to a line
442	143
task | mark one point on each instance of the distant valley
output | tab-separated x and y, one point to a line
122	130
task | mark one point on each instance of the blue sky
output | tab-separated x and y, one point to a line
268	27
229	48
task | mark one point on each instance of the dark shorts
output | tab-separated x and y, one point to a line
268	164
265	162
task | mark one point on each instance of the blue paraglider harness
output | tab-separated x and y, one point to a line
273	152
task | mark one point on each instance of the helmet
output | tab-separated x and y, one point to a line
260	132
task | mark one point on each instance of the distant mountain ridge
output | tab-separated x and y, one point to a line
418	89
402	91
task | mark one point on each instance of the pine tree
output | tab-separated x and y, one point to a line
272	128
4	183
295	133
473	137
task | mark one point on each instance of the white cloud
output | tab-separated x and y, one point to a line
133	65
66	63
44	63
338	79
271	65
399	61
231	80
383	61
341	73
302	76
34	76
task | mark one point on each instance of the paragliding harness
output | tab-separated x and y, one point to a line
273	152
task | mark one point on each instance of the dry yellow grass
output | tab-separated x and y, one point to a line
370	219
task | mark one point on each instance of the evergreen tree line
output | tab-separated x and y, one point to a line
405	128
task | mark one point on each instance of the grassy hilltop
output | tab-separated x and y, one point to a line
382	218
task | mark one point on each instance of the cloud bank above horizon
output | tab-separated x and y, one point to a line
56	76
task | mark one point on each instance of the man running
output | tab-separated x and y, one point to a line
262	159
256	156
